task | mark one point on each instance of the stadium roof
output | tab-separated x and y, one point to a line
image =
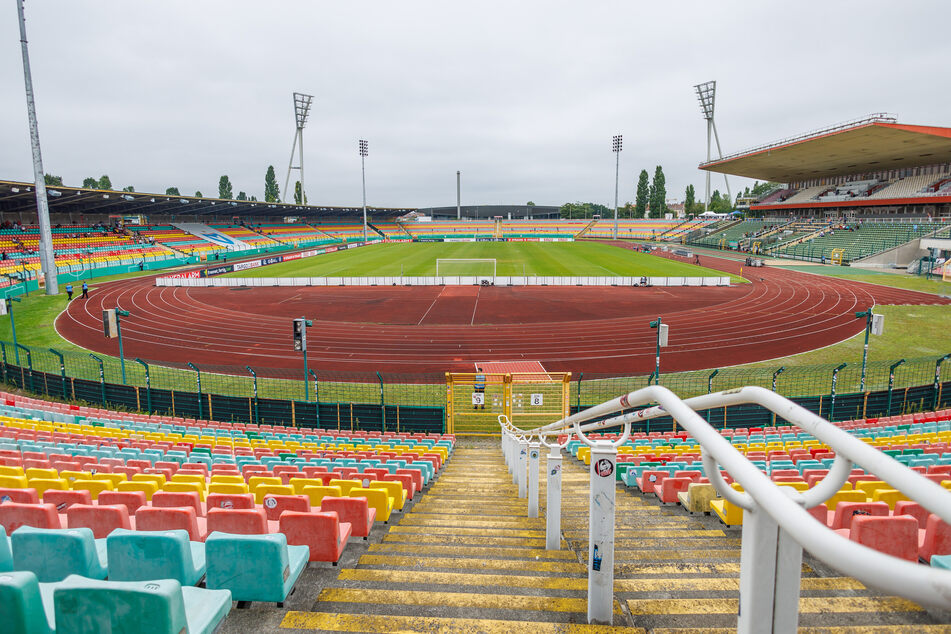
16	197
877	142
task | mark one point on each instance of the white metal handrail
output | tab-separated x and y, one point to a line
922	584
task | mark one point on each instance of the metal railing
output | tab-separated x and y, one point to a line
776	525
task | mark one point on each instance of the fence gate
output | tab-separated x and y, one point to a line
529	399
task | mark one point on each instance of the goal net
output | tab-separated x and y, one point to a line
484	267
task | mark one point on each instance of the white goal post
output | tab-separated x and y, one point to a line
462	261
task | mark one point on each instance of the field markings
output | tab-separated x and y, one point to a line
475	307
435	299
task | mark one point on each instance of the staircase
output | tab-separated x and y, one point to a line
380	233
588	228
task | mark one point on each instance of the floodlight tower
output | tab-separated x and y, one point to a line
42	203
706	95
363	169
616	142
301	110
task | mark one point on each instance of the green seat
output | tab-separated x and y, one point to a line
162	606
146	555
6	557
22	608
254	567
52	554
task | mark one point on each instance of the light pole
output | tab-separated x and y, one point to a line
301	111
363	170
662	329
13	327
300	344
706	95
616	148
874	324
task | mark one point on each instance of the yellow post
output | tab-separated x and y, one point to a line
507	396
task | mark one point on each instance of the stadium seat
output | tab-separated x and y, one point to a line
353	510
46	484
239	521
841	517
185	487
344	485
22	496
697	497
671	487
230	501
54	554
149	488
916	510
300	483
229	488
95	487
934	539
896	536
254	567
6	558
14	515
131	499
323	533
167	499
159	605
274	505
101	520
318	493
377	499
23	609
262	490
64	499
144	555
148	518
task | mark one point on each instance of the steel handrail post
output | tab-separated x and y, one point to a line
316	396
254	383
937	380
891	383
148	383
835	376
29	362
62	369
198	382
102	376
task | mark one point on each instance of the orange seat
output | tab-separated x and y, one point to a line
14	515
64	499
230	501
102	520
149	518
323	533
240	521
23	496
896	536
355	511
935	539
274	505
168	499
131	499
841	517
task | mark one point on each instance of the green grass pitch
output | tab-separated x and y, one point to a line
513	258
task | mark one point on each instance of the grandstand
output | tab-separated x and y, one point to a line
176	239
633	229
245	235
347	231
296	233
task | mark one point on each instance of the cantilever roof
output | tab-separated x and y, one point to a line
869	145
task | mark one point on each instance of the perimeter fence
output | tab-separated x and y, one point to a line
417	402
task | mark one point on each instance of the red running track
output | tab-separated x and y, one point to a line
435	329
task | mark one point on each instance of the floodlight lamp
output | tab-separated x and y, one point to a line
706	95
54	193
302	108
127	197
363	147
616	142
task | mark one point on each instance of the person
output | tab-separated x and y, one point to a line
479	386
85	290
69	292
696	259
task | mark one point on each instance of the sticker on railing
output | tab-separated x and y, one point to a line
604	467
596	559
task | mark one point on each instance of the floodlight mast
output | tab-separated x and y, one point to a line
616	142
706	95
301	112
42	203
363	156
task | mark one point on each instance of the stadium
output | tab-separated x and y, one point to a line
224	415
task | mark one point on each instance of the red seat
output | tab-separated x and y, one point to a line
148	518
910	507
407	481
311	472
168	499
64	499
240	521
230	501
13	515
649	478
324	533
820	512
101	519
356	511
21	496
274	505
935	539
416	474
131	499
670	487
896	536
841	517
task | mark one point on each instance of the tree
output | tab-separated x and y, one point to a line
128	188
719	203
242	196
90	183
224	188
530	204
105	182
658	199
689	199
172	191
640	200
299	197
254	199
272	193
198	194
53	180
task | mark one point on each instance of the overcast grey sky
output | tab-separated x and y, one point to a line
523	97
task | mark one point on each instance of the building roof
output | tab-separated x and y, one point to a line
16	197
874	143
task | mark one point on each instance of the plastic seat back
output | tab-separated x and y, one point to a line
274	505
21	496
21	605
148	518
167	499
252	567
230	501
54	554
238	521
354	510
14	515
145	555
896	536
914	509
321	532
64	499
846	511
101	520
6	557
318	493
936	538
85	605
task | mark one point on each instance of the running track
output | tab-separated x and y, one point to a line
435	329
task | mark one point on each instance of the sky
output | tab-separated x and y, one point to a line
522	97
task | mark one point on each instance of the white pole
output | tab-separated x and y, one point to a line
458	195
601	533
553	507
47	261
706	203
520	469
533	468
363	170
617	164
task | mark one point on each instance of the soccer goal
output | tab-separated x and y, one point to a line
478	267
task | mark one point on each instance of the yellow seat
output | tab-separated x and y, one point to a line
95	487
317	493
729	514
799	486
45	484
114	478
255	481
697	497
148	488
345	485
157	478
228	487
870	486
584	455
273	489
889	496
13	482
72	476
11	471
185	487
394	489
378	499
236	479
41	474
300	483
189	477
846	495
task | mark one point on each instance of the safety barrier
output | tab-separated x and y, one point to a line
776	525
446	280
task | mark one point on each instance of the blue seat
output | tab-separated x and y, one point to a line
23	607
941	561
6	557
145	555
160	606
52	554
254	567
